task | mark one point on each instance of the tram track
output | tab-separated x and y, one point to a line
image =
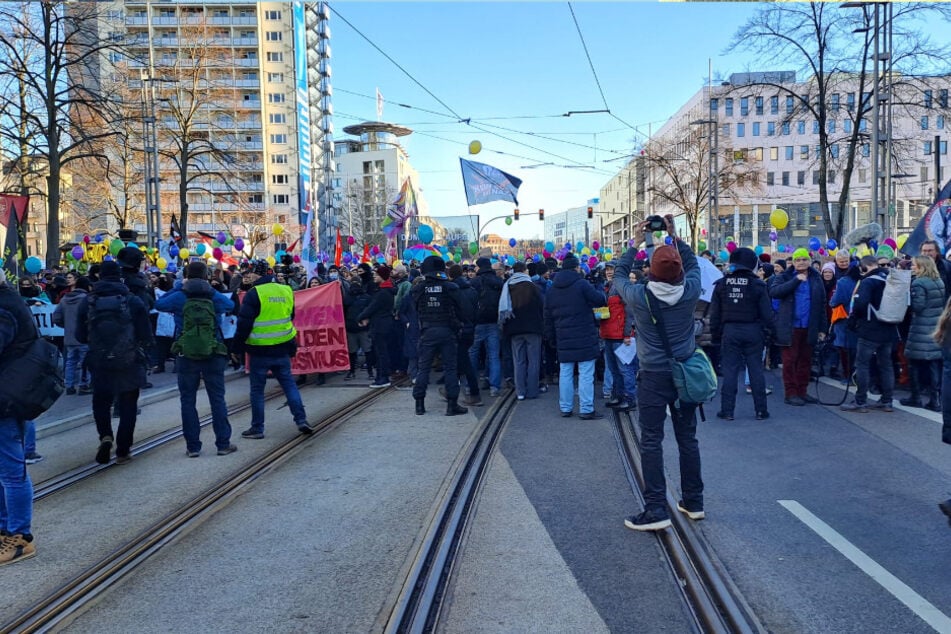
420	600
713	600
60	606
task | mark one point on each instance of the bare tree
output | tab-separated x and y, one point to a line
831	47
51	50
252	228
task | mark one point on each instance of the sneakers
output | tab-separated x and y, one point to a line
224	451
647	521
724	416
696	514
811	400
520	397
858	408
591	416
769	390
253	434
193	454
493	391
33	458
70	391
762	415
567	414
105	448
305	429
794	400
376	385
124	459
882	407
911	402
475	401
13	548
946	509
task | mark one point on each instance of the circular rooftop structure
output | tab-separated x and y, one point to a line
377	127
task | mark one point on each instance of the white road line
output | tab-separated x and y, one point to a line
914	601
917	411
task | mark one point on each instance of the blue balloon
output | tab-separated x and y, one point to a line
584	267
831	244
98	238
567	246
173	250
668	240
171	268
579	246
425	233
550	246
512	242
108	258
758	250
724	255
132	244
33	265
537	258
814	244
280	254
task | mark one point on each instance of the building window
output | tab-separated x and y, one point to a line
815	177
801	177
273	56
756	128
256	198
277	117
924	123
786	179
939	122
924	174
273	36
815	126
847	126
790	104
774	153
771	128
276	97
759	105
279	159
850	101
275	78
834	102
863	125
863	174
866	150
800	127
728	106
279	179
943	98
928	100
725	129
789	152
770	178
785	128
744	106
830	126
714	104
279	139
834	150
943	147
272	15
774	104
804	152
281	199
927	147
830	176
740	129
757	154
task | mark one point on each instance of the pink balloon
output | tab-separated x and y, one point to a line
297	258
595	245
641	255
217	253
350	240
86	238
546	254
592	261
890	243
822	251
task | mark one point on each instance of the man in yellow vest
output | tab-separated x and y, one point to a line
267	333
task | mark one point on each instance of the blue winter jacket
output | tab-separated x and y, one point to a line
569	317
174	301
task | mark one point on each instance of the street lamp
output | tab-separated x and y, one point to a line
713	188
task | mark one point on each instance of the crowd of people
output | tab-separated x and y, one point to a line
488	326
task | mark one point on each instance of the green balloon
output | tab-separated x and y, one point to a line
508	220
473	247
701	245
456	257
115	246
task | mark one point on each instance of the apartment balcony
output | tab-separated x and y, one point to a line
250	63
137	21
251	104
245	41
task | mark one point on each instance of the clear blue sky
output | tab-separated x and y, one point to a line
487	60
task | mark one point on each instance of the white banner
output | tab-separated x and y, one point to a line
43	316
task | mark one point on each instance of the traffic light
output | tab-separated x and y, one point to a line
516	214
541	214
590	213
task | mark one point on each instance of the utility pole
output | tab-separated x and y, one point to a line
153	214
937	164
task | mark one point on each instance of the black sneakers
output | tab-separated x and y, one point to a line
648	521
252	433
694	514
224	451
105	448
591	416
724	416
305	429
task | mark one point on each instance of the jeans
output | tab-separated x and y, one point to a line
280	367
190	372
918	368
742	345
797	364
654	394
488	334
127	403
566	386
29	437
886	375
434	339
16	488
526	355
607	385
75	355
623	375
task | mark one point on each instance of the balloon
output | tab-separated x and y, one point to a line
34	265
115	246
512	242
425	233
585	251
592	261
200	249
781	248
831	244
78	252
173	251
171	268
873	245
161	263
296	259
132	244
86	238
641	255
885	251
473	248
270	260
238	244
902	239
217	253
579	246
890	242
658	234
457	257
280	254
508	220
814	244
724	255
758	250
668	240
822	251
277	229
475	147
701	245
773	236
703	232
595	245
207	255
221	237
350	240
98	238
215	243
779	219
550	246
608	257
184	253
731	246
107	258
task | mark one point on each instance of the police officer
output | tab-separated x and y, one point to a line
439	322
266	330
740	318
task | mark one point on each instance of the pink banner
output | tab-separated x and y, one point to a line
321	330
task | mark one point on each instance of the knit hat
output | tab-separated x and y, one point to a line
260	267
484	264
129	257
432	264
570	262
196	269
108	270
828	266
765	257
800	253
541	268
384	271
666	265
744	258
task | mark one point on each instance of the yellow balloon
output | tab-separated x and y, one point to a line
270	258
206	255
586	251
161	263
779	219
901	240
183	254
475	147
397	262
608	257
277	229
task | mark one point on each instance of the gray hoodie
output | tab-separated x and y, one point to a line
67	313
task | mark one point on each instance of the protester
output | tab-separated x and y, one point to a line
616	331
930	248
266	332
355	301
942	336
924	357
66	316
522	318
202	355
672	291
841	302
570	323
468	300
488	286
378	315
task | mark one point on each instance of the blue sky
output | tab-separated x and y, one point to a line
501	63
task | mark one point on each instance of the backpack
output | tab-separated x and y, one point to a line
487	306
199	325
31	382
895	298
111	334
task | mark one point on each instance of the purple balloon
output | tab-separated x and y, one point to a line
238	244
221	237
772	236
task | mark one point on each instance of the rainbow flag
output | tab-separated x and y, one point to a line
402	209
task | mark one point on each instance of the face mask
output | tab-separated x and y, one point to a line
29	291
333	276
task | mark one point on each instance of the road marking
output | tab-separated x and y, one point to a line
914	601
917	411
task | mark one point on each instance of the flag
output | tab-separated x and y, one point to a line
293	245
379	105
309	253
13	210
366	253
338	249
174	230
935	224
484	183
402	209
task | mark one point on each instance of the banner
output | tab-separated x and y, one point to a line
321	330
43	316
935	224
484	183
13	211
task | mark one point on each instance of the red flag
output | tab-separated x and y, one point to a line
293	244
338	250
366	253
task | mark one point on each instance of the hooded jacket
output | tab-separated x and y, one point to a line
569	317
66	315
863	320
927	304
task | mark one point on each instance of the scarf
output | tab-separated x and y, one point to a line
670	294
505	301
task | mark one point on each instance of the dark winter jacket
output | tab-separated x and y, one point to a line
569	317
468	299
927	304
527	310
137	285
740	297
355	301
409	320
249	311
868	297
487	278
66	315
380	310
784	289
174	301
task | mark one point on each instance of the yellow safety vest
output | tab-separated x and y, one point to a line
273	325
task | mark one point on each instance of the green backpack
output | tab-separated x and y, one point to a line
199	326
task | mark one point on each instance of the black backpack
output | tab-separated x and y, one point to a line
487	308
111	333
31	380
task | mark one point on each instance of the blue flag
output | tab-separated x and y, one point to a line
934	225
485	183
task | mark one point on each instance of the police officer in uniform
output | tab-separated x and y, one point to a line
439	323
740	318
266	330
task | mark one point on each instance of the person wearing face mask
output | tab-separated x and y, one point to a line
31	293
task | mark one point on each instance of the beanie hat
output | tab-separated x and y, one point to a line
384	271
196	270
82	283
432	264
765	257
260	267
800	253
484	264
744	258
108	269
541	268
666	265
570	262
828	266
129	257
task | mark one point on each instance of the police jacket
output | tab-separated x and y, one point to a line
17	328
248	314
437	305
740	298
